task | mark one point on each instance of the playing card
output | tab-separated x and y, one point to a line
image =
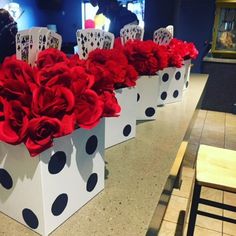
43	39
131	32
162	36
33	44
55	40
108	42
88	40
22	45
171	29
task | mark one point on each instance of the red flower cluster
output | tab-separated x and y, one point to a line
147	57
179	50
50	100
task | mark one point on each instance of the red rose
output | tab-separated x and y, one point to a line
131	76
16	90
74	60
41	132
57	102
160	53
141	55
111	106
17	70
2	117
59	74
81	80
49	57
88	109
14	128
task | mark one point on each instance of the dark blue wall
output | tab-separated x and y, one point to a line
67	19
193	21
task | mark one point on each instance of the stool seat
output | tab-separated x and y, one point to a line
216	168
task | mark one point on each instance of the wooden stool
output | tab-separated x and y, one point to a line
216	168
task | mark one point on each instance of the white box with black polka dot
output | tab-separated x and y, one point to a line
42	192
147	95
171	85
122	128
187	66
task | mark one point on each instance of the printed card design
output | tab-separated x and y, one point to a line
55	40
108	40
162	36
88	40
131	32
22	45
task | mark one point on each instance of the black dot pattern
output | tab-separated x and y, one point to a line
59	204
91	145
165	77
138	97
150	111
5	179
30	218
186	84
92	182
164	95
57	162
177	75
175	93
127	130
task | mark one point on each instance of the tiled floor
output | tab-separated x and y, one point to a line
215	129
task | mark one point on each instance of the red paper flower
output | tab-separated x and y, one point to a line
145	56
13	128
41	132
111	106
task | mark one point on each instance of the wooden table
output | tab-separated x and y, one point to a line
136	172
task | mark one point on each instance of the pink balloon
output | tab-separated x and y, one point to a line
89	24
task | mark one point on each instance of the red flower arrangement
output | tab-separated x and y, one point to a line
147	57
179	50
50	100
111	70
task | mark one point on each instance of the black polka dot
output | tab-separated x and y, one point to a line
165	77
30	218
175	93
91	145
150	111
164	95
59	204
92	182
5	179
138	97
57	162
127	130
186	84
177	75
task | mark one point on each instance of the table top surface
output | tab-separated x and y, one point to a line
136	172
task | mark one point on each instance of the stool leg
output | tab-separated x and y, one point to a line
193	211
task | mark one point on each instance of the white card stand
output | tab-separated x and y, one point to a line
187	65
162	36
91	39
42	192
122	128
131	32
171	85
147	95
